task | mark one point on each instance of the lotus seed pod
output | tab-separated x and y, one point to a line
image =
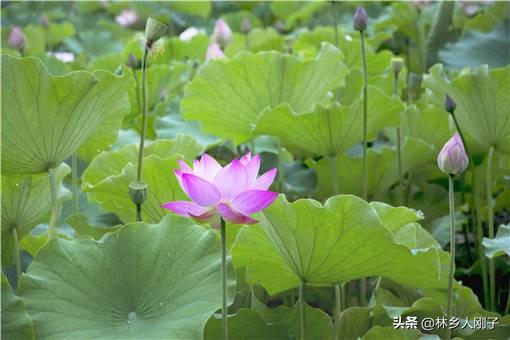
360	20
449	104
397	64
222	33
154	30
246	25
133	61
138	192
17	39
452	159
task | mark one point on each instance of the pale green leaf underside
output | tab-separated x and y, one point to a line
338	242
483	103
46	118
500	245
25	204
330	130
382	168
16	323
145	281
227	96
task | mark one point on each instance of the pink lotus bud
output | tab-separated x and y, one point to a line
360	20
17	39
452	159
449	104
233	192
214	52
222	33
127	18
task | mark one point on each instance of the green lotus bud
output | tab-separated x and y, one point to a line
449	104
154	30
138	192
397	64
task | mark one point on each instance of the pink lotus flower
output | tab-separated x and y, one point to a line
222	33
127	18
452	159
233	192
214	52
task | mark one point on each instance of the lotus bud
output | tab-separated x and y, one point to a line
214	52
127	18
17	39
246	25
138	192
222	33
397	64
154	30
133	61
449	104
360	20
452	159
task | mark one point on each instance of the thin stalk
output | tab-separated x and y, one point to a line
451	196
281	170
74	182
17	254
52	230
144	126
507	308
246	41
338	309
479	238
335	29
399	147
334	174
302	315
363	282
343	296
465	226
224	279
490	222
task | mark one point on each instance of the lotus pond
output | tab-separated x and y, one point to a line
255	170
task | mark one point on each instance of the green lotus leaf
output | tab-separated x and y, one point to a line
235	20
500	245
94	42
489	18
390	333
80	224
32	243
25	204
382	168
144	281
58	32
353	323
477	48
256	40
245	324
322	245
46	118
195	49
196	8
482	103
295	12
16	323
329	131
227	96
107	179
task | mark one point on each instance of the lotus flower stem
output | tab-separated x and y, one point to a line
338	309
490	222
451	196
74	182
399	147
224	278
17	256
52	229
335	22
363	282
507	308
144	126
302	314
281	170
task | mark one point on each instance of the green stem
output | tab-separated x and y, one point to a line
507	308
363	292
144	126
281	170
17	256
451	196
52	229
343	295
246	41
335	29
479	238
224	278
338	309
399	147
302	315
490	222
334	175
365	101
74	182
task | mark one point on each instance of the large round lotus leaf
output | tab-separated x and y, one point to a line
483	103
391	333
500	245
25	204
145	281
330	131
322	245
46	118
16	324
227	96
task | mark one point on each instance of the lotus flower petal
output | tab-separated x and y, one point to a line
200	191
232	216
208	168
231	180
264	181
185	208
251	201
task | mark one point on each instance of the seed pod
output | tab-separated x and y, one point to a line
397	64
154	30
138	192
360	20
